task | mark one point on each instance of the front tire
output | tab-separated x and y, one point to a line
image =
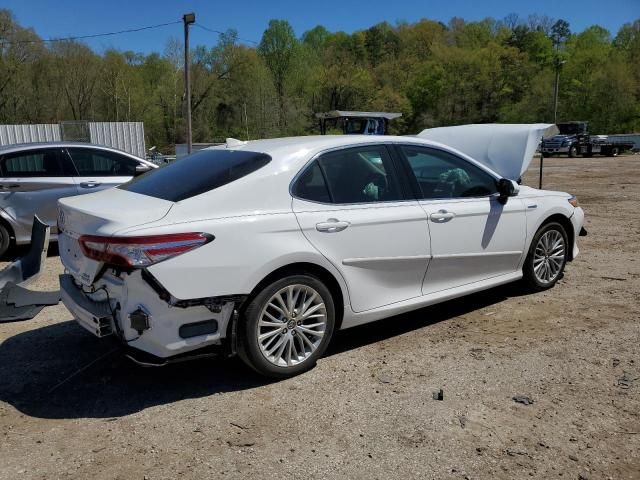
5	240
573	151
287	326
547	257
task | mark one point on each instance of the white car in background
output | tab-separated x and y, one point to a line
33	176
267	247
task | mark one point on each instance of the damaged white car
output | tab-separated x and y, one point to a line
267	247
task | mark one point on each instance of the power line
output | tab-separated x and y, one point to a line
108	34
94	35
222	33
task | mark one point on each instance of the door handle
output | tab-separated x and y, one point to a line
10	186
332	225
442	216
90	184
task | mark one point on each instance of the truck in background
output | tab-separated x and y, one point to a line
574	140
355	123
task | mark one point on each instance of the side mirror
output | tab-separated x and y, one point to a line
507	188
142	168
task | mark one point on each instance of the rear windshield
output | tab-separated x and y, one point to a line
198	173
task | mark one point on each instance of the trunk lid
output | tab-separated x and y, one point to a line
102	213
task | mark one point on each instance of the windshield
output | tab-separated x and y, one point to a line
571	128
197	173
365	126
355	125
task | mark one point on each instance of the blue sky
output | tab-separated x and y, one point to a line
73	17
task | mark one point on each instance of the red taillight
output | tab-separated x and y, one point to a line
140	251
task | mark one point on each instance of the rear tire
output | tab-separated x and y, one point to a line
5	240
547	257
287	326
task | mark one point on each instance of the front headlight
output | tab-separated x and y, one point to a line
573	200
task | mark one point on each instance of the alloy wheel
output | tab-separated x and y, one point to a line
291	325
549	256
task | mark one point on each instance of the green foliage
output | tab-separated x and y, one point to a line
278	48
435	74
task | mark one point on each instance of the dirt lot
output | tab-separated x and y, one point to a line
366	410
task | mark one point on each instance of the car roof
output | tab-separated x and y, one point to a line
290	152
17	147
29	146
314	143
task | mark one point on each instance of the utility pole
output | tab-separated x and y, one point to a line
555	92
561	32
246	121
558	65
188	19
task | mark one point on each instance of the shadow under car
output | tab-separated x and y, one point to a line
62	371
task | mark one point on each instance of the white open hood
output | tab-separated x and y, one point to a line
507	149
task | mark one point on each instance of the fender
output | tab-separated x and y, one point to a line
538	209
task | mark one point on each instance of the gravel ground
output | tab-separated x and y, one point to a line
72	408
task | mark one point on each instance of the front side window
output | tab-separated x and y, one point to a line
196	174
354	175
102	163
443	175
36	163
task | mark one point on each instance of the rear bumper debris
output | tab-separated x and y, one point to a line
154	331
145	359
26	269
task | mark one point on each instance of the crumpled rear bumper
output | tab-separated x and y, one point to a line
170	330
96	317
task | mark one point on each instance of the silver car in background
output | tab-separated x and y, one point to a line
34	176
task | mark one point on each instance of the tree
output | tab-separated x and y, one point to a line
435	74
315	38
381	42
20	49
278	48
560	31
77	71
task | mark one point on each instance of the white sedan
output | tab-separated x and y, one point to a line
265	248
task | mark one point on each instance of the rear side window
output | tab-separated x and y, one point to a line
100	163
197	173
360	175
36	163
353	175
311	185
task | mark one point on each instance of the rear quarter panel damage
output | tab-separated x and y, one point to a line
245	250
